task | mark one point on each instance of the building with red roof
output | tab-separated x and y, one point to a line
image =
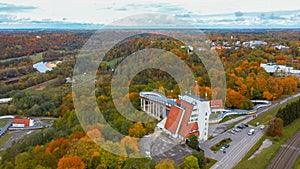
22	122
179	118
188	116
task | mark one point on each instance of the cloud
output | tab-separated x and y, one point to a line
8	8
4	18
10	21
151	7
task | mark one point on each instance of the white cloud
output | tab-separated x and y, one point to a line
100	11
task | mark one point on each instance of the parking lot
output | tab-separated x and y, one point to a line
239	139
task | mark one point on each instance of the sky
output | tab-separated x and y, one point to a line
201	13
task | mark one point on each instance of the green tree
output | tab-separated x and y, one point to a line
166	163
201	158
193	142
190	162
138	163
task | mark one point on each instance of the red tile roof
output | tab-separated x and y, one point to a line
19	120
173	119
185	127
216	104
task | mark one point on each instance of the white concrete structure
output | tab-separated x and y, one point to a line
280	70
155	104
200	114
5	100
179	118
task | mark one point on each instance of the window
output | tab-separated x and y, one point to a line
194	115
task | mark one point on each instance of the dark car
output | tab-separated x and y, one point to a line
227	145
246	125
240	127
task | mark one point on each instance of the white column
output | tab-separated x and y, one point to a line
156	110
147	108
150	107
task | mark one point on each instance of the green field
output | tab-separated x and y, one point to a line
297	163
212	162
5	60
264	158
48	90
37	57
230	117
3	122
5	137
113	62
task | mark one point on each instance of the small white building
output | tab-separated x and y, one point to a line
280	69
22	122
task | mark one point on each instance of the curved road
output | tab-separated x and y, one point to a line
238	151
288	153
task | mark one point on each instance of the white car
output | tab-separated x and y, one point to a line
262	127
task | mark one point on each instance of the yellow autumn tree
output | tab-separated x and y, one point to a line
74	162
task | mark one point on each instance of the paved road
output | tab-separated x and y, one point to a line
288	153
15	137
240	148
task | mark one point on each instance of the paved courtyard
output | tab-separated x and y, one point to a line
160	146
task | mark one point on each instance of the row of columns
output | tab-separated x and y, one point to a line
153	108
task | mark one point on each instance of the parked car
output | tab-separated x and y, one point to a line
227	145
245	125
236	129
262	127
222	148
251	132
231	131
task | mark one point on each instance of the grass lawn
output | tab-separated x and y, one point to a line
262	119
37	57
3	122
48	90
297	163
264	158
9	59
212	162
230	117
5	137
113	62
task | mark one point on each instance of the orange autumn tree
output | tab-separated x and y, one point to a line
137	130
74	162
130	144
58	147
234	99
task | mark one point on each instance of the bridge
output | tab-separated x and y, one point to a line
228	112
